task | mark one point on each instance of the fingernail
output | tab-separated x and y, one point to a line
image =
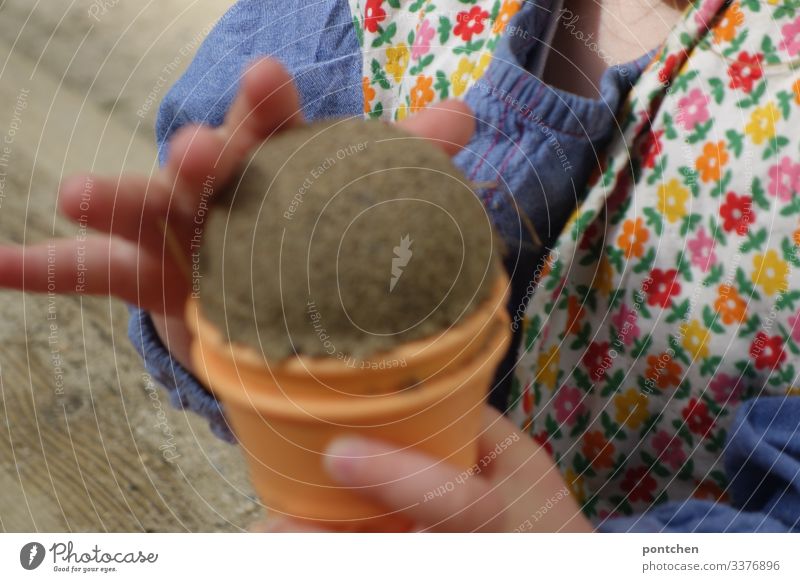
343	457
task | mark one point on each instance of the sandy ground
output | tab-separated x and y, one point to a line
86	442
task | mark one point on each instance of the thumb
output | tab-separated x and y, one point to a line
426	490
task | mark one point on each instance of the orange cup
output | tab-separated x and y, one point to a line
427	395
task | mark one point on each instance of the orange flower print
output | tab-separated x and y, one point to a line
733	18
633	237
597	450
369	94
710	164
796	89
730	305
509	9
575	313
796	237
663	371
710	491
422	93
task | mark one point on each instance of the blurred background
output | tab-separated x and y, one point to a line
87	441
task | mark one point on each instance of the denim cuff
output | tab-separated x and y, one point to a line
184	390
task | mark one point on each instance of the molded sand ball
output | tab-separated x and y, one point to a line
344	239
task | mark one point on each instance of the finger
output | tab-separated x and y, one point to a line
267	102
126	207
95	266
424	489
449	124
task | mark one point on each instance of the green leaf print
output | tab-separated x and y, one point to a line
711	321
790	252
716	232
683	266
377	111
359	31
646	263
442	85
669	127
471	47
785	100
746	287
787	299
385	36
640	347
775	146
700	132
658	171
735	141
750	326
759	196
654	465
689	223
690	179
378	76
417	69
394	3
417	5
714	276
444	29
612	429
613	383
717	89
679	312
754	242
578	430
792	208
736	44
754	97
686	471
551	427
654	220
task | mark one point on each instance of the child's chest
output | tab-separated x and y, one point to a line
419	51
675	294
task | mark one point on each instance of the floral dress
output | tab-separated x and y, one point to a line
673	294
419	51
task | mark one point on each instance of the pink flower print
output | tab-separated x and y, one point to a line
794	321
693	109
625	322
784	179
670	449
706	11
568	405
725	389
422	42
791	37
702	249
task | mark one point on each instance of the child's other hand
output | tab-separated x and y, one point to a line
129	256
517	489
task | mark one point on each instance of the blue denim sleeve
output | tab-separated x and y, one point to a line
762	460
317	43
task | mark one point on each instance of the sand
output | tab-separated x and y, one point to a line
344	238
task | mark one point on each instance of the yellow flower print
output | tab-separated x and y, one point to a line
397	60
672	198
603	280
575	484
369	94
548	367
402	112
771	273
480	68
631	408
762	123
695	338
509	9
460	77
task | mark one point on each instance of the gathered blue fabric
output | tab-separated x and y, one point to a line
530	158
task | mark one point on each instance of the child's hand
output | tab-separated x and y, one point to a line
516	489
129	256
